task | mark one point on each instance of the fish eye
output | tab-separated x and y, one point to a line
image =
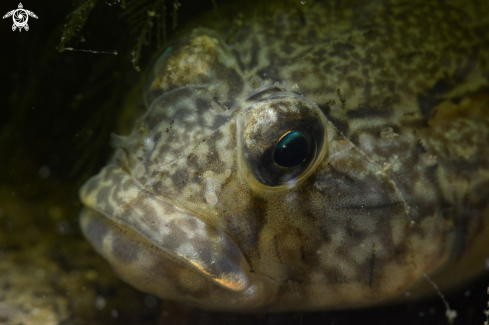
282	138
291	149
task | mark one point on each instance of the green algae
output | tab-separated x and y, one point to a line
146	17
76	20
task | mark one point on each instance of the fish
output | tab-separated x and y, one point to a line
313	156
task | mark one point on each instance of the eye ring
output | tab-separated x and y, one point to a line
297	123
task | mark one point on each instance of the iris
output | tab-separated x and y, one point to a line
291	150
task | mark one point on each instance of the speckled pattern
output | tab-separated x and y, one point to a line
393	100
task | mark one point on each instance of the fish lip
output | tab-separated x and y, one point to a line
118	196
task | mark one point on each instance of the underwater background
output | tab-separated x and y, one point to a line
57	110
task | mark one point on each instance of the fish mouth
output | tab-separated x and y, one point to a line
133	211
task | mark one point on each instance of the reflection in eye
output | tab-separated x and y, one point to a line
291	150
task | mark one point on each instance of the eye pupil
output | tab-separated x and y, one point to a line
291	150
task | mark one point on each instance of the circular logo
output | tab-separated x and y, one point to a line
20	17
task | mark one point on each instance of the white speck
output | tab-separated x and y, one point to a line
149	143
114	313
44	172
100	302
227	172
451	315
211	198
407	294
487	264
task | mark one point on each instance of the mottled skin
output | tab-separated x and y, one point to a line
393	98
